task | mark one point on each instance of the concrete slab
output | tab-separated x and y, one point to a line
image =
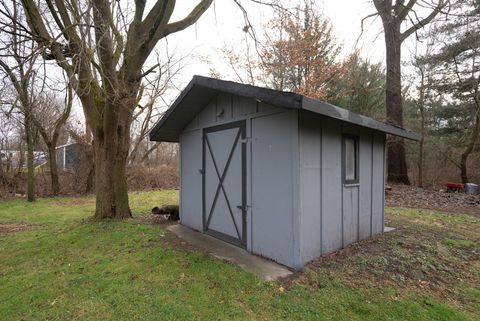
265	269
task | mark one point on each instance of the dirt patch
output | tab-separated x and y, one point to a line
414	197
13	228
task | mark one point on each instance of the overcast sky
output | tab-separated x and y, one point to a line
222	26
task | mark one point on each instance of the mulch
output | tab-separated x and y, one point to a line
440	200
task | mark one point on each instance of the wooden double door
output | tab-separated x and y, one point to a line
224	182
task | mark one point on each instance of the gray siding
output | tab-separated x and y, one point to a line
298	206
225	108
69	157
272	137
273	157
331	187
73	155
191	179
366	195
334	215
350	213
378	187
310	137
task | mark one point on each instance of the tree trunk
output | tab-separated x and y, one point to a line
30	156
463	167
397	164
111	144
91	172
52	160
421	106
421	155
471	144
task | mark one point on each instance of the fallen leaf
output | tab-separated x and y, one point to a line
181	278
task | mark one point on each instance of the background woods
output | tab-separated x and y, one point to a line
86	80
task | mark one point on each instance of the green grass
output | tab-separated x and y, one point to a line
66	267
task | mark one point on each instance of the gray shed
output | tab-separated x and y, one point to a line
280	174
69	156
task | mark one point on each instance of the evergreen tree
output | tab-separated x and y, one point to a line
457	79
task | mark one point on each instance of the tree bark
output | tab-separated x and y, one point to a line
111	144
52	160
471	144
421	107
421	154
111	183
396	160
30	156
91	171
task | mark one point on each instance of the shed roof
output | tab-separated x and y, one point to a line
201	90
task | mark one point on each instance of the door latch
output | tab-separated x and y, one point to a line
243	208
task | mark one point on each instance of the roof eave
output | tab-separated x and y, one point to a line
335	112
277	98
270	96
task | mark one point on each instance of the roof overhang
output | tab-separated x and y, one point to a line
201	90
348	116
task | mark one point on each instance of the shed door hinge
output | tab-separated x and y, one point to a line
201	171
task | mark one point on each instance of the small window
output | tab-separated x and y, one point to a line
350	159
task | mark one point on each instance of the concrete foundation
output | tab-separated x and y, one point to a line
265	269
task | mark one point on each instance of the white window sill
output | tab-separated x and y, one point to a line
351	185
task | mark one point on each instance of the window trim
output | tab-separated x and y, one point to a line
356	140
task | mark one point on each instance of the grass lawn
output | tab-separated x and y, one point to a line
56	264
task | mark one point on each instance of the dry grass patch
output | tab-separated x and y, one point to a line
13	228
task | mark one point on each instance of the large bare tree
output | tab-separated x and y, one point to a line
395	14
103	46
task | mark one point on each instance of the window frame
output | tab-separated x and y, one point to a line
356	140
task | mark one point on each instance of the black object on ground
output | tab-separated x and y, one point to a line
170	211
